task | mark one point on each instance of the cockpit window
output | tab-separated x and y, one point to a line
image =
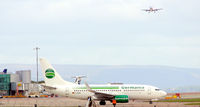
157	89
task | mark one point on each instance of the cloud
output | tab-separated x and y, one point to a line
197	76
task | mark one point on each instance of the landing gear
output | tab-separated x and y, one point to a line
90	103
102	102
150	102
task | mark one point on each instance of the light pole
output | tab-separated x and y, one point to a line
37	48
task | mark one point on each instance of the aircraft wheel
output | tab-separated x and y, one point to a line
102	102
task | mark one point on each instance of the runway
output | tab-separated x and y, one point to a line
68	102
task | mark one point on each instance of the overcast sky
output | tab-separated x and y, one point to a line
101	32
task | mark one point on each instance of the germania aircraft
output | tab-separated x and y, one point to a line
151	9
116	93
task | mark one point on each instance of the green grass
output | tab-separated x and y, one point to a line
181	100
192	104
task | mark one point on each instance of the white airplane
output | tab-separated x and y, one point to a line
152	9
116	93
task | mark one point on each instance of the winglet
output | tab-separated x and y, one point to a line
88	88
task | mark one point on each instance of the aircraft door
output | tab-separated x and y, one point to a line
66	91
149	91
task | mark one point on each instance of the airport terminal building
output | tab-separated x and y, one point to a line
4	84
17	83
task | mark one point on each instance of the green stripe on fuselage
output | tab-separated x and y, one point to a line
97	88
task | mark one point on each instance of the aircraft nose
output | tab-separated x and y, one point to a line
163	93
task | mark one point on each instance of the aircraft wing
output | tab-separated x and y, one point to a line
99	95
145	10
158	9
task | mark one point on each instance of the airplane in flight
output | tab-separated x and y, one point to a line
115	93
151	9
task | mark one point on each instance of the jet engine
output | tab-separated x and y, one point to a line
121	98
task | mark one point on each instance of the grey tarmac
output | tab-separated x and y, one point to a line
69	102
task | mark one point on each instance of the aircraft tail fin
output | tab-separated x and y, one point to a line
50	75
5	71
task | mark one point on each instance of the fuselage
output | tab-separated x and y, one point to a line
133	91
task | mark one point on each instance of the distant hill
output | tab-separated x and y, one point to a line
184	89
165	77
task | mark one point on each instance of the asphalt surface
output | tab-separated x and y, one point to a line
68	102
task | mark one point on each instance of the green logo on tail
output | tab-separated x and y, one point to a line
49	73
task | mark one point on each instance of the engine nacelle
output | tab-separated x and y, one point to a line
121	98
